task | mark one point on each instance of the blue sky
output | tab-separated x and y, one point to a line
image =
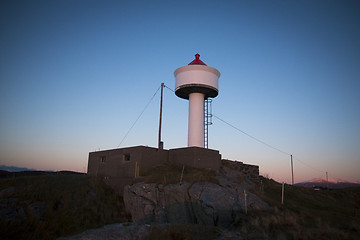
75	75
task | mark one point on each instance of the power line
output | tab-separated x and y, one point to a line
307	165
169	88
268	145
139	116
256	139
262	142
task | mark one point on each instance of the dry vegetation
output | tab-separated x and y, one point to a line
305	214
170	173
73	203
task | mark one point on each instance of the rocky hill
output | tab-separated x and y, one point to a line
209	205
47	206
169	202
205	203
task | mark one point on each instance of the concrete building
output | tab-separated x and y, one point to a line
196	82
117	166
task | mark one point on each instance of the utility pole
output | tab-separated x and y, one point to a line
292	170
160	143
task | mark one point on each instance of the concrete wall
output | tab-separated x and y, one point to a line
196	157
122	161
117	166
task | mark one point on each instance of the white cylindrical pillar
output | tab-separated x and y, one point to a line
196	82
196	120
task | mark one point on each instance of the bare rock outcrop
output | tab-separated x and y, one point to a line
11	209
198	203
38	209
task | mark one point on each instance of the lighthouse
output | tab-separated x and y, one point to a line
196	82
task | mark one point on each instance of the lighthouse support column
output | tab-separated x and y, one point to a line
196	120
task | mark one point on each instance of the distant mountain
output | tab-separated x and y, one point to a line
28	172
15	169
331	183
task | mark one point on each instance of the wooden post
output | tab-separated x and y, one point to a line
160	119
136	164
282	194
138	170
182	174
245	202
292	170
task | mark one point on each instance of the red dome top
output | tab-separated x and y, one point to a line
197	60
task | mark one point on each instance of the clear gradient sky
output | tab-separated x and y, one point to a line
75	75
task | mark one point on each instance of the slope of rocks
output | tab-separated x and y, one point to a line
193	203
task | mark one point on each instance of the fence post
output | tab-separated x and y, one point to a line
136	168
282	194
182	174
245	202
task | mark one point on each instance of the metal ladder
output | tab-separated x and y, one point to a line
207	120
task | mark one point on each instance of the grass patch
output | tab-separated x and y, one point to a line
305	214
73	203
170	173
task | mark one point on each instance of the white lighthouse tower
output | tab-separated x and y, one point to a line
196	82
